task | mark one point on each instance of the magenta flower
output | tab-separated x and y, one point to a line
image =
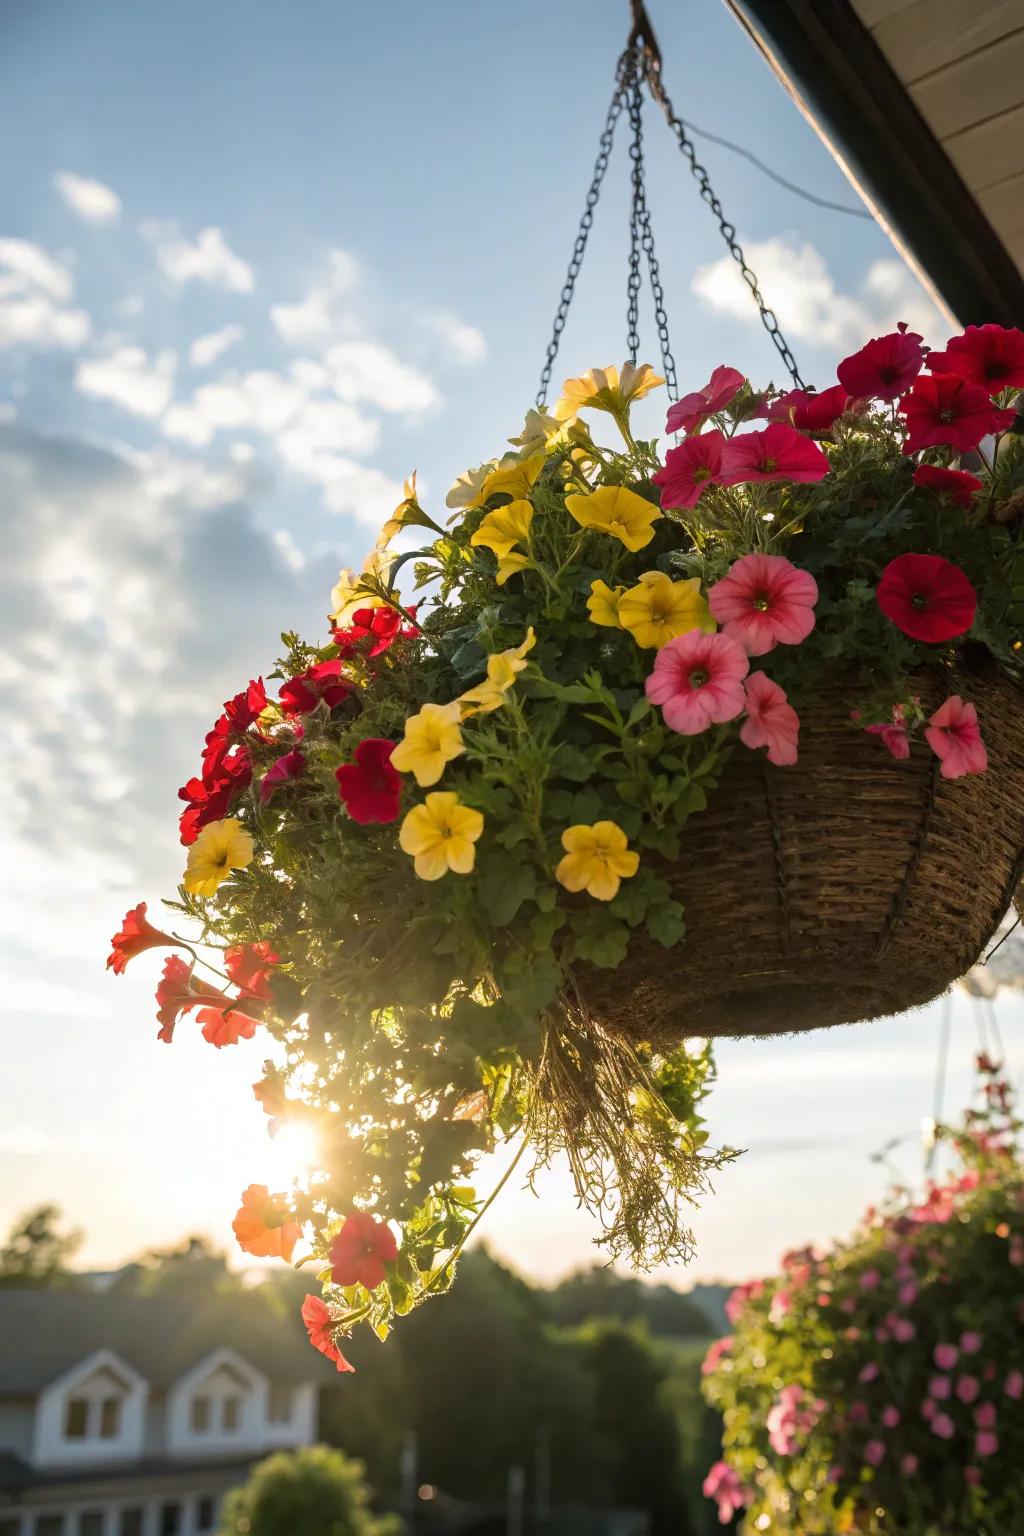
884	368
986	1442
967	1388
723	1485
903	1330
809	412
869	1280
698	681
778	452
955	737
1013	1386
890	1417
943	1426
690	469
971	1342
940	1387
691	412
764	601
867	1372
908	1464
771	722
985	1415
874	1453
287	767
946	1356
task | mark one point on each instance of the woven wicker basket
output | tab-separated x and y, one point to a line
844	888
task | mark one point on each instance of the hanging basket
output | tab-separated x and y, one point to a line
845	888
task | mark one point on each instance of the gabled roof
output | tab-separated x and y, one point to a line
44	1333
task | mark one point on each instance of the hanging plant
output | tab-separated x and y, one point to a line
877	1387
725	743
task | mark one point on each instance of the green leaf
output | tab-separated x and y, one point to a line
504	885
599	939
666	923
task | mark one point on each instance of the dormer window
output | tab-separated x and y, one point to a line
216	1408
93	1411
279	1405
232	1414
199	1418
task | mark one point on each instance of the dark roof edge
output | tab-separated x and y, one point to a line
839	78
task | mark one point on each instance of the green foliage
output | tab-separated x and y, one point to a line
311	1492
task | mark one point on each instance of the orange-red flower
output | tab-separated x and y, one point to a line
179	992
136	935
318	1320
270	1096
264	1225
249	966
226	1025
361	1251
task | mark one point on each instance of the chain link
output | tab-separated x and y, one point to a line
768	317
641	228
640	65
583	234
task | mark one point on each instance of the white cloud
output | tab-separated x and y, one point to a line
801	290
206	349
89	199
130	378
367	370
319	316
461	342
289	551
34	294
208	259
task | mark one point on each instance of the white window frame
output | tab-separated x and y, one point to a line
51	1447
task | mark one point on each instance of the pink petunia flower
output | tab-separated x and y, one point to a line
723	1485
764	601
698	681
955	737
691	412
885	367
771	722
290	766
690	469
809	412
778	452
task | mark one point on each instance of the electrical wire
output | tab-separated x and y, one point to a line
790	186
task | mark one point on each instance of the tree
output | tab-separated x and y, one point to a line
633	1424
311	1492
35	1253
601	1292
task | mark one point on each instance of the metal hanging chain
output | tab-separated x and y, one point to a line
633	88
652	75
586	224
642	231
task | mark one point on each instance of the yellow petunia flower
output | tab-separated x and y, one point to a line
502	671
432	740
464	492
597	860
603	604
513	477
350	593
616	510
605	389
220	847
540	429
511	565
658	609
440	835
504	528
397	521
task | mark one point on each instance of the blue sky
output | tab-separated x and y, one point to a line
256	264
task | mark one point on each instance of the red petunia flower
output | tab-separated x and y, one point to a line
690	469
319	1323
884	368
809	412
226	1025
264	1226
942	409
776	453
301	695
209	798
955	483
955	737
136	935
239	714
178	992
927	597
894	736
370	787
989	355
289	766
250	965
691	412
361	1251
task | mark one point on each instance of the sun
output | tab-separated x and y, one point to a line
293	1154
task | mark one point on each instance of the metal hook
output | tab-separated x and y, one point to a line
643	32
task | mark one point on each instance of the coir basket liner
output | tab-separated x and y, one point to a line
843	888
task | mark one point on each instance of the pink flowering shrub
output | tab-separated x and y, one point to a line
879	1387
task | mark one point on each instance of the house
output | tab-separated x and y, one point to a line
125	1416
922	104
